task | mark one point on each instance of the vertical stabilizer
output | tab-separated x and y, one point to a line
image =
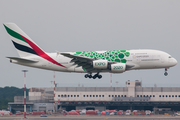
22	42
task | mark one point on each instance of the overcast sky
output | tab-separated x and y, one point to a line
88	25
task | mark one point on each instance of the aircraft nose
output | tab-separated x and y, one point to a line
174	61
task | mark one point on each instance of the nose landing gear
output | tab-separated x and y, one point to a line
165	72
94	77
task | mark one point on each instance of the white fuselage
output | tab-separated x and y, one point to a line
140	59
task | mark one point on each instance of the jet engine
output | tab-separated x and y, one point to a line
118	68
100	64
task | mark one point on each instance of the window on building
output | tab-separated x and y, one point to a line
99	95
58	95
121	95
96	95
140	95
61	95
179	95
162	95
144	96
166	96
83	95
169	95
112	95
124	95
77	95
71	95
137	95
150	96
87	95
64	95
74	95
68	95
147	96
93	95
109	95
102	95
172	95
90	95
115	95
153	95
159	95
118	95
175	95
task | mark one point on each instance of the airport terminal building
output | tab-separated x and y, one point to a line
133	97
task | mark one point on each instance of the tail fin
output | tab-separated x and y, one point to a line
22	42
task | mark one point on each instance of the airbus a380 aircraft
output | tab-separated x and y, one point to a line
115	61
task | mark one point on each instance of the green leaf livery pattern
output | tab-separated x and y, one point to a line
115	55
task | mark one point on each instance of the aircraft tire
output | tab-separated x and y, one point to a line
165	73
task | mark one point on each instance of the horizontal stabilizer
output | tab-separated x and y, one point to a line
22	60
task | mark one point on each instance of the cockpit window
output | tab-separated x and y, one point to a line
170	57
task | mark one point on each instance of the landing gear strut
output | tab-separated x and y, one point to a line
165	72
94	77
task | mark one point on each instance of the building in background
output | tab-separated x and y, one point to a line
133	97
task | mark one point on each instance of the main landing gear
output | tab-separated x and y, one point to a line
94	77
165	72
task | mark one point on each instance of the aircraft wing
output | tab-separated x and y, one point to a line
85	62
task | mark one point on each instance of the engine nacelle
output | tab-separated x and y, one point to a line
100	64
118	68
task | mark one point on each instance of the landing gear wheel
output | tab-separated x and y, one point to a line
99	76
165	73
90	76
95	76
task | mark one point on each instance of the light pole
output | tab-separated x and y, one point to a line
24	92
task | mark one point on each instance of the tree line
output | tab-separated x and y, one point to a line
7	95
